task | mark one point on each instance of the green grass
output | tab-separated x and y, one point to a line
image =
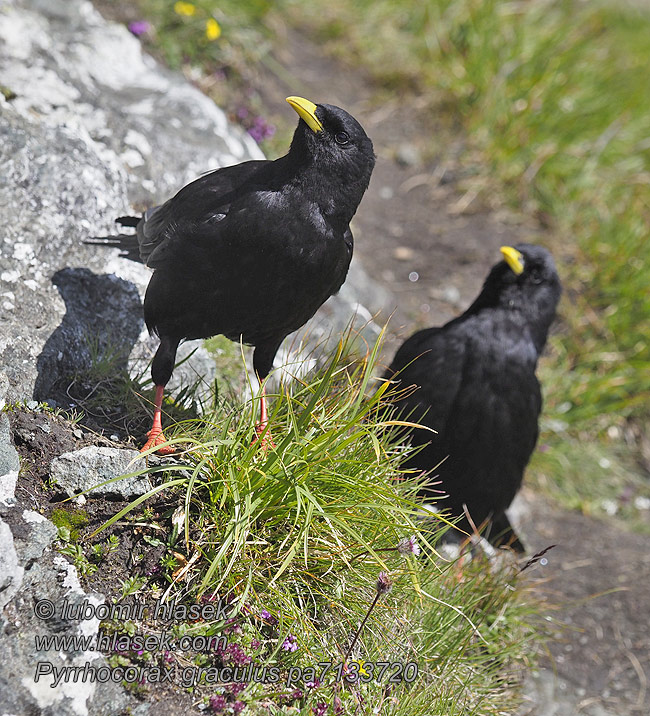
304	530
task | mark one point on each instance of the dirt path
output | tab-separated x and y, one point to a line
415	220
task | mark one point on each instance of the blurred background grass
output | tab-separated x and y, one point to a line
551	98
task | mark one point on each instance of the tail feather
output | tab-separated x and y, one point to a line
127	243
128	220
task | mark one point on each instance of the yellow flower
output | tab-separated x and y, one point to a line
184	8
212	29
361	663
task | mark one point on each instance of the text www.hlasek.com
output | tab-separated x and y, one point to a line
124	642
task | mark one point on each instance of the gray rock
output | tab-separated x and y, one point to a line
38	578
84	470
9	462
11	572
97	125
408	155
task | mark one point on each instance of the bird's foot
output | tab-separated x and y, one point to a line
263	437
156	438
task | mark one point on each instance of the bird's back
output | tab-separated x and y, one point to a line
258	254
477	388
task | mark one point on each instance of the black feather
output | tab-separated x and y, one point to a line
474	383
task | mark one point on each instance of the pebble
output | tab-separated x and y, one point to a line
403	253
408	155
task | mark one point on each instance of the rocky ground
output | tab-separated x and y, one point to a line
86	98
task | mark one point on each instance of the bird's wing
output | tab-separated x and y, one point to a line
424	360
196	210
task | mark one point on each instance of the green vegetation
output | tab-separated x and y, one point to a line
296	540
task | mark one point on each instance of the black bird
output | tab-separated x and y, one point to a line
253	250
476	386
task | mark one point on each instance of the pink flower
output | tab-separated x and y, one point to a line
139	27
290	643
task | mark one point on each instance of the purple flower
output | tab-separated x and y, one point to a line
139	27
217	703
290	643
168	658
408	545
297	694
320	709
236	687
238	707
384	583
313	684
265	614
261	129
237	655
338	705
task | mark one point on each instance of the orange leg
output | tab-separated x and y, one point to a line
155	435
260	426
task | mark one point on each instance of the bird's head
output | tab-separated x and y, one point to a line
525	281
334	144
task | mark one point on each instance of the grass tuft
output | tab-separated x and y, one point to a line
314	546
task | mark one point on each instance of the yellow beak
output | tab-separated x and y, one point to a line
307	111
513	258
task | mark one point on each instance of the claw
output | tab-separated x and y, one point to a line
266	440
156	437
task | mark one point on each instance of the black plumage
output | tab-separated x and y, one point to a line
474	383
252	251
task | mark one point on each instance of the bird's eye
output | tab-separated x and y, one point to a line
536	276
341	138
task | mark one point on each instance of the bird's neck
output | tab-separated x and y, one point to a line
334	190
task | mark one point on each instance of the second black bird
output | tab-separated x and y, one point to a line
474	383
253	250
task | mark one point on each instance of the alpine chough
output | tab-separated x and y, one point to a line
473	381
253	250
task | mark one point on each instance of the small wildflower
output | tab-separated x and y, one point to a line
217	703
261	129
265	614
297	694
320	709
384	583
212	29
383	586
238	707
167	657
236	687
338	705
290	643
408	545
237	655
139	27
184	8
